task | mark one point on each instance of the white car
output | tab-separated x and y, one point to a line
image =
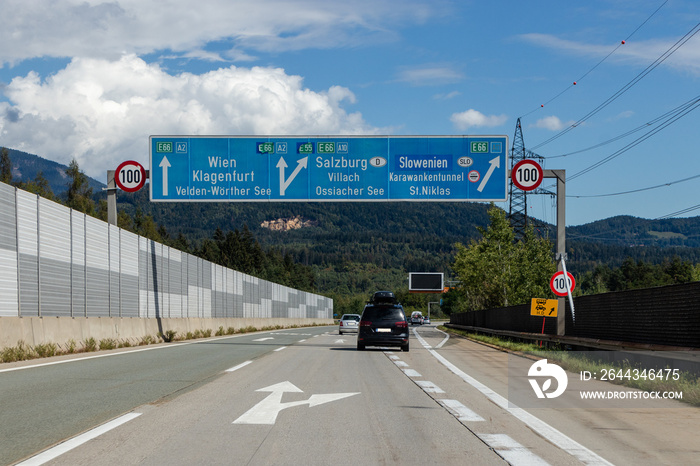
348	323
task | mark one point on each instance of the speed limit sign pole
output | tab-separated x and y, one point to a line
111	198
528	177
129	176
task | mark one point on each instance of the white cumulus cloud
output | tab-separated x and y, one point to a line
95	28
101	112
473	118
552	123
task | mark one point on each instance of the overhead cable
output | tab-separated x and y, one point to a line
664	56
637	141
599	63
632	131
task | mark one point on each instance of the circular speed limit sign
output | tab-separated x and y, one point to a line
527	175
558	283
130	176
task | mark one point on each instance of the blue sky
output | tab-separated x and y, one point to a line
91	80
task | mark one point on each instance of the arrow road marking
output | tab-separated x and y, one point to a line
266	411
284	184
165	164
495	163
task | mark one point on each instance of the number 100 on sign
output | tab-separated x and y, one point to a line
527	175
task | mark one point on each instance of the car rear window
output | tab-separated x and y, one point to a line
383	313
351	317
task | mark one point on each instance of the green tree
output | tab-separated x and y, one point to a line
496	271
39	186
79	195
5	166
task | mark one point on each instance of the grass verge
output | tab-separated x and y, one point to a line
688	383
23	352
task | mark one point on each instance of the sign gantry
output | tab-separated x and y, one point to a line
329	168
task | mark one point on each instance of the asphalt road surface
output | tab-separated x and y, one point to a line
306	396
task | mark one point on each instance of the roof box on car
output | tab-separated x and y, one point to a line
383	297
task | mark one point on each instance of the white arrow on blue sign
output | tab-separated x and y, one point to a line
328	168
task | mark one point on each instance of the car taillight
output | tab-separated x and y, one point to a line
401	324
365	323
341	323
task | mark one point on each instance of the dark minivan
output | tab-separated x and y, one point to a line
383	325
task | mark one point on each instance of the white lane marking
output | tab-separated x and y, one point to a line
266	411
444	340
97	356
559	439
280	348
400	363
425	344
263	339
302	341
461	412
339	341
130	351
421	340
75	442
393	357
511	451
235	368
411	373
429	387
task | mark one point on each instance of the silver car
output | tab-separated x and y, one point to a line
348	323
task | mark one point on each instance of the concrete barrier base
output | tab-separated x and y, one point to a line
34	331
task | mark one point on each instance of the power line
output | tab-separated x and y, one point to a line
663	57
632	131
639	140
680	212
597	64
637	190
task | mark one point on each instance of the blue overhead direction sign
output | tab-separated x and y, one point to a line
328	168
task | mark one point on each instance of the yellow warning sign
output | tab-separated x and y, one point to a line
544	307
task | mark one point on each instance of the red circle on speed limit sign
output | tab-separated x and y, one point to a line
527	175
130	176
558	283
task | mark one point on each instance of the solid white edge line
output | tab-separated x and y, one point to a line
556	437
280	348
75	442
235	368
129	351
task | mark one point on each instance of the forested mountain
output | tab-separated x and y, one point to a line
26	167
354	248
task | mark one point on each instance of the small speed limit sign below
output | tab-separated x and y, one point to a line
527	175
558	283
130	176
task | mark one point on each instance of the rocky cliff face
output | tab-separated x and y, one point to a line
285	224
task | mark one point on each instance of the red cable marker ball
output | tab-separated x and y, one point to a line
623	42
574	83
